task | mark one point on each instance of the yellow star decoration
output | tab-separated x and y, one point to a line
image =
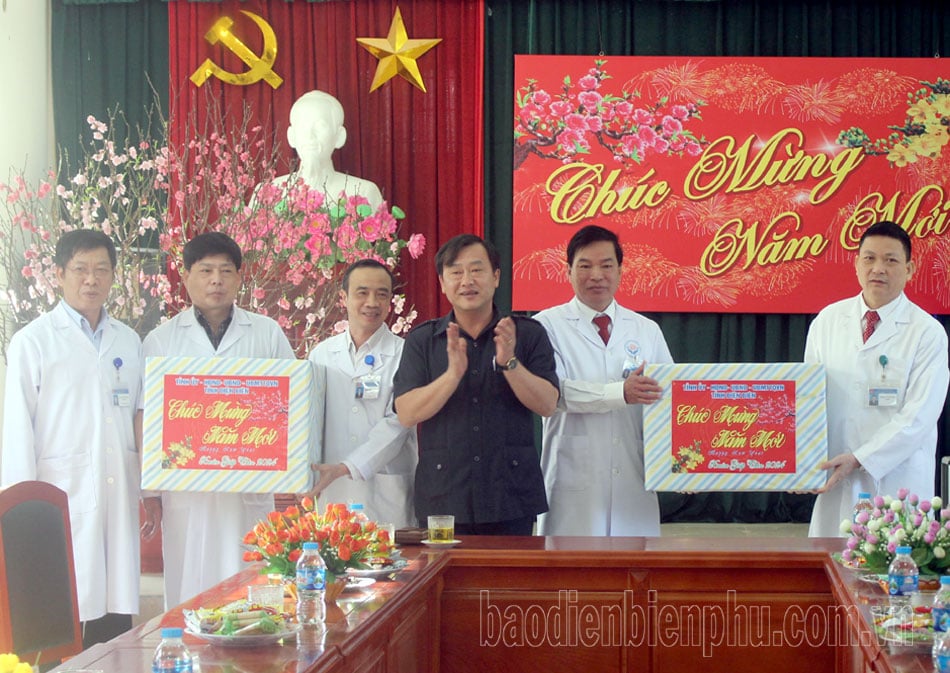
397	54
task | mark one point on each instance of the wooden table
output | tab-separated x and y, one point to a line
567	604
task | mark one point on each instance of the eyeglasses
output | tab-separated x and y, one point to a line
99	272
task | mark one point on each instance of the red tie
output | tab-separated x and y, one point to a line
603	327
871	319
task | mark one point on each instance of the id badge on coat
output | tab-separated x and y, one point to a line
880	396
367	387
121	397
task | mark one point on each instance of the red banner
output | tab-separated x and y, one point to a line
735	184
225	422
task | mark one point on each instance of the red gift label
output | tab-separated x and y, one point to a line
214	422
733	426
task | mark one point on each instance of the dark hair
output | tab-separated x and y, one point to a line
451	249
80	240
890	230
592	234
366	264
209	244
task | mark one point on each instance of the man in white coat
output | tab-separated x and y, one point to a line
592	447
202	532
363	441
72	391
887	381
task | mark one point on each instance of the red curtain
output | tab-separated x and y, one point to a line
424	150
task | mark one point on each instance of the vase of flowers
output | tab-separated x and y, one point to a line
906	520
346	539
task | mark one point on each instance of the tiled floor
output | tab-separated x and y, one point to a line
151	585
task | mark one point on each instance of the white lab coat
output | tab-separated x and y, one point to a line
895	445
202	532
592	447
366	433
61	426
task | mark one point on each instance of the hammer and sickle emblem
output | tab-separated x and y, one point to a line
260	65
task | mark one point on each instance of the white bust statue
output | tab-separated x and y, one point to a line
316	130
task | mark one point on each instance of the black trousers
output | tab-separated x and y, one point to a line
522	526
105	628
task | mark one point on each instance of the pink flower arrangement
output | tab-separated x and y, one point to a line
875	534
151	199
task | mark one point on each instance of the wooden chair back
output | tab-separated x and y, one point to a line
39	608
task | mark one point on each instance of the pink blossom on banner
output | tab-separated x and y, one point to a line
590	100
624	109
631	144
641	116
588	82
681	112
540	97
572	141
559	108
647	135
671	125
529	112
576	122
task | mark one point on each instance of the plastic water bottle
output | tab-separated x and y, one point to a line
311	585
171	655
902	577
941	652
863	504
941	608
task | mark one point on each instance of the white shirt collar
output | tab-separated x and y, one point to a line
371	344
588	314
95	335
884	311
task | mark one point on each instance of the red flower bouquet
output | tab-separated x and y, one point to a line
346	539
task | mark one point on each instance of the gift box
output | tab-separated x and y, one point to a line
229	424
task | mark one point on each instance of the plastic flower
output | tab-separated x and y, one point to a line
904	520
151	199
10	663
346	540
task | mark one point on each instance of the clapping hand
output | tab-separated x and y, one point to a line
457	349
505	339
